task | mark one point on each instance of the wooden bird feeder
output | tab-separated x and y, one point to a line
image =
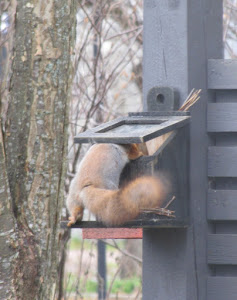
166	134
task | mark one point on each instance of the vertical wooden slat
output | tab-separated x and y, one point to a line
179	37
101	262
164	269
164	64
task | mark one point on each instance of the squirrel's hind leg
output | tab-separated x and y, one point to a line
76	215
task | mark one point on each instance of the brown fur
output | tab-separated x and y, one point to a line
95	186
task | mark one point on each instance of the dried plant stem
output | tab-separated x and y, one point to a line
192	98
162	211
112	282
155	144
115	245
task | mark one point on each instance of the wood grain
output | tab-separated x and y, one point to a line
179	37
222	117
221	288
222	205
112	233
150	222
222	161
222	74
222	249
133	129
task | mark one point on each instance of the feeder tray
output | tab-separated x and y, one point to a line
136	128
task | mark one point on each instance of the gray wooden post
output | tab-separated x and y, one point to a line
179	38
101	248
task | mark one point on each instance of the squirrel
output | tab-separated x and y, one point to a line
96	186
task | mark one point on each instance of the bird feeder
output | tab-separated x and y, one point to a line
166	134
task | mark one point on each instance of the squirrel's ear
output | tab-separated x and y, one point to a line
134	152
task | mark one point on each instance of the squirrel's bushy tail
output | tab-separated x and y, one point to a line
115	207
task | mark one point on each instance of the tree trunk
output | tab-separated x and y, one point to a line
130	267
33	146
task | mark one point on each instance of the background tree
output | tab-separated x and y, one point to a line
107	85
230	28
35	81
